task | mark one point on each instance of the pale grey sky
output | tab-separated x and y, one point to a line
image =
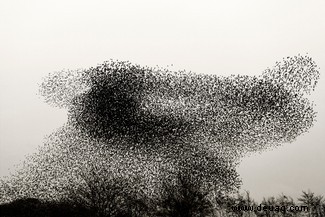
221	37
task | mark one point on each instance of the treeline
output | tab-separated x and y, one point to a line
242	205
117	198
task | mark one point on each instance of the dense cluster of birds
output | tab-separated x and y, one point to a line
151	124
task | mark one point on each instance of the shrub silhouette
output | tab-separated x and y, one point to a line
31	207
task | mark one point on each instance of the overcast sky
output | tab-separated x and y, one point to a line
218	37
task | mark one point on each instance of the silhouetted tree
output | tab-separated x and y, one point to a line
109	197
185	199
315	203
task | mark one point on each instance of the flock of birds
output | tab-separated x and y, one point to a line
151	124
